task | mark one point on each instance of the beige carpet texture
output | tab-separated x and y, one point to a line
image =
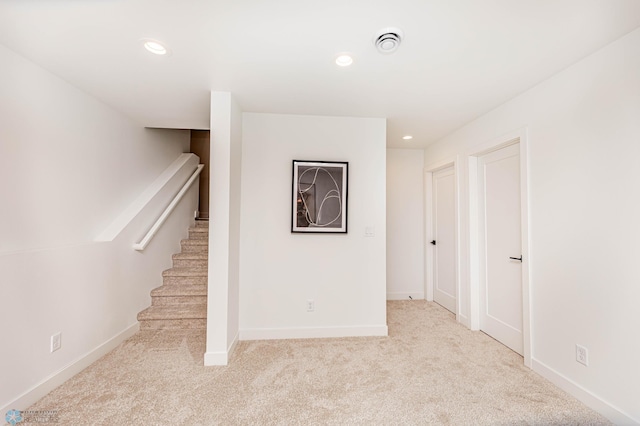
430	370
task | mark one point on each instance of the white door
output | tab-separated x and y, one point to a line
444	241
500	243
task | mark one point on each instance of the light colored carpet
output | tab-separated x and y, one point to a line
430	370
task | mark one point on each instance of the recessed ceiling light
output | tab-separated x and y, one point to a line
344	60
407	137
155	46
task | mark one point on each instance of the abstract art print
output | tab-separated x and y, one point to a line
319	197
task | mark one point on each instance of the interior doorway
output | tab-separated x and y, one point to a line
500	247
443	242
442	229
499	242
200	146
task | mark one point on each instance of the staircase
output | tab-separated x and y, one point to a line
181	302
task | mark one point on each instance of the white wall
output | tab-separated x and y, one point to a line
224	240
280	271
68	166
405	224
583	126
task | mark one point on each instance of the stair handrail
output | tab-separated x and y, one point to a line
161	183
163	217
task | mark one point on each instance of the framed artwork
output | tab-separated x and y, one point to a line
319	197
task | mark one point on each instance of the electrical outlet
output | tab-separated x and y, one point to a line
311	305
56	342
582	355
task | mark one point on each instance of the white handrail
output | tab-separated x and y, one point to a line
154	229
183	162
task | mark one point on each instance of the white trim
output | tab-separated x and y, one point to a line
474	238
56	379
428	229
525	231
233	345
517	136
613	413
500	142
312	332
441	164
163	217
405	296
216	358
464	320
222	357
453	162
116	227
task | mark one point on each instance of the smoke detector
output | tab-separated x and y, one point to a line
388	39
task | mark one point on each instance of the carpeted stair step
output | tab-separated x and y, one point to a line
174	317
184	294
194	246
185	275
181	260
198	233
181	302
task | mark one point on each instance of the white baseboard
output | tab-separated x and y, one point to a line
589	399
220	358
405	296
37	392
216	358
312	332
464	320
234	343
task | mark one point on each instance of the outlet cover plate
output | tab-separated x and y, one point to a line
582	355
56	342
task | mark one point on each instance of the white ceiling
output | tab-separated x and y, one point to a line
459	58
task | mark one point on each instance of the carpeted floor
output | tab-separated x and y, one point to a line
430	370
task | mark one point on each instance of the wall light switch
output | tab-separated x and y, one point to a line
369	231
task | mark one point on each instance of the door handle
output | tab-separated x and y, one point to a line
517	258
433	242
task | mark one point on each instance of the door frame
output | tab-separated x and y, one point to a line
429	204
475	253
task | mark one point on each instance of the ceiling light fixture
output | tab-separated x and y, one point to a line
388	39
407	137
344	60
154	46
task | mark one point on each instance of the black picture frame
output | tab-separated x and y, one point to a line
319	198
